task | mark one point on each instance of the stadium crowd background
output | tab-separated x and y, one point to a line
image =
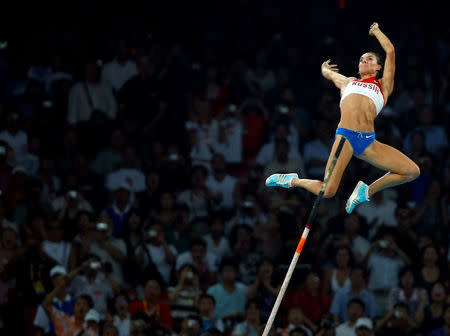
134	146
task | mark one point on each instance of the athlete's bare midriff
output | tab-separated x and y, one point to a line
358	113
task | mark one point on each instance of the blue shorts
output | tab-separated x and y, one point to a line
359	140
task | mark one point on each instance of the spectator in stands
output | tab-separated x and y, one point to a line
231	294
216	241
157	311
223	187
190	326
9	250
111	250
436	139
252	325
296	319
431	315
197	197
397	322
264	290
384	261
155	256
119	70
282	162
355	310
130	173
90	100
95	283
380	211
15	137
316	151
180	235
364	327
357	290
54	246
109	158
311	298
183	297
338	277
165	213
431	268
206	310
204	262
119	209
445	329
122	319
407	292
62	301
132	239
229	139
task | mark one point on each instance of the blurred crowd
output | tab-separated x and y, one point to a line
132	198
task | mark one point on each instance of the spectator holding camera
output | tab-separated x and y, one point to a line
384	260
65	323
95	283
190	326
296	319
112	251
62	301
431	315
397	322
184	296
155	256
204	262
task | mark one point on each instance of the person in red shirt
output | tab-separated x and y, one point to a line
156	309
311	299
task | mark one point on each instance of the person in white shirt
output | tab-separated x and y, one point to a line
108	248
355	310
95	284
16	138
130	173
378	212
89	99
384	261
229	140
216	241
224	187
116	72
267	153
122	319
162	254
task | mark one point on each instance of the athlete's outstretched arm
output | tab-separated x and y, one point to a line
389	64
331	72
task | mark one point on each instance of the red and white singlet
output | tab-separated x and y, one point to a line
369	87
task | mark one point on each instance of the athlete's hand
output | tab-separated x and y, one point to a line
374	27
326	66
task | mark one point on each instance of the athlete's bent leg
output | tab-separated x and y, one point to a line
335	178
401	169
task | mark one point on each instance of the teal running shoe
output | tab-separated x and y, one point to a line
359	195
280	180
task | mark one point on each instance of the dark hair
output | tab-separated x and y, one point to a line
403	271
207	297
351	259
298	330
87	298
380	61
357	301
228	261
250	302
362	269
198	242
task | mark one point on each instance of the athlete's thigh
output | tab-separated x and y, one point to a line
342	162
387	158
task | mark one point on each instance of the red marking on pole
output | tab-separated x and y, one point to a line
300	245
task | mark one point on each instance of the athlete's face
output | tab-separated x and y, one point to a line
368	64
